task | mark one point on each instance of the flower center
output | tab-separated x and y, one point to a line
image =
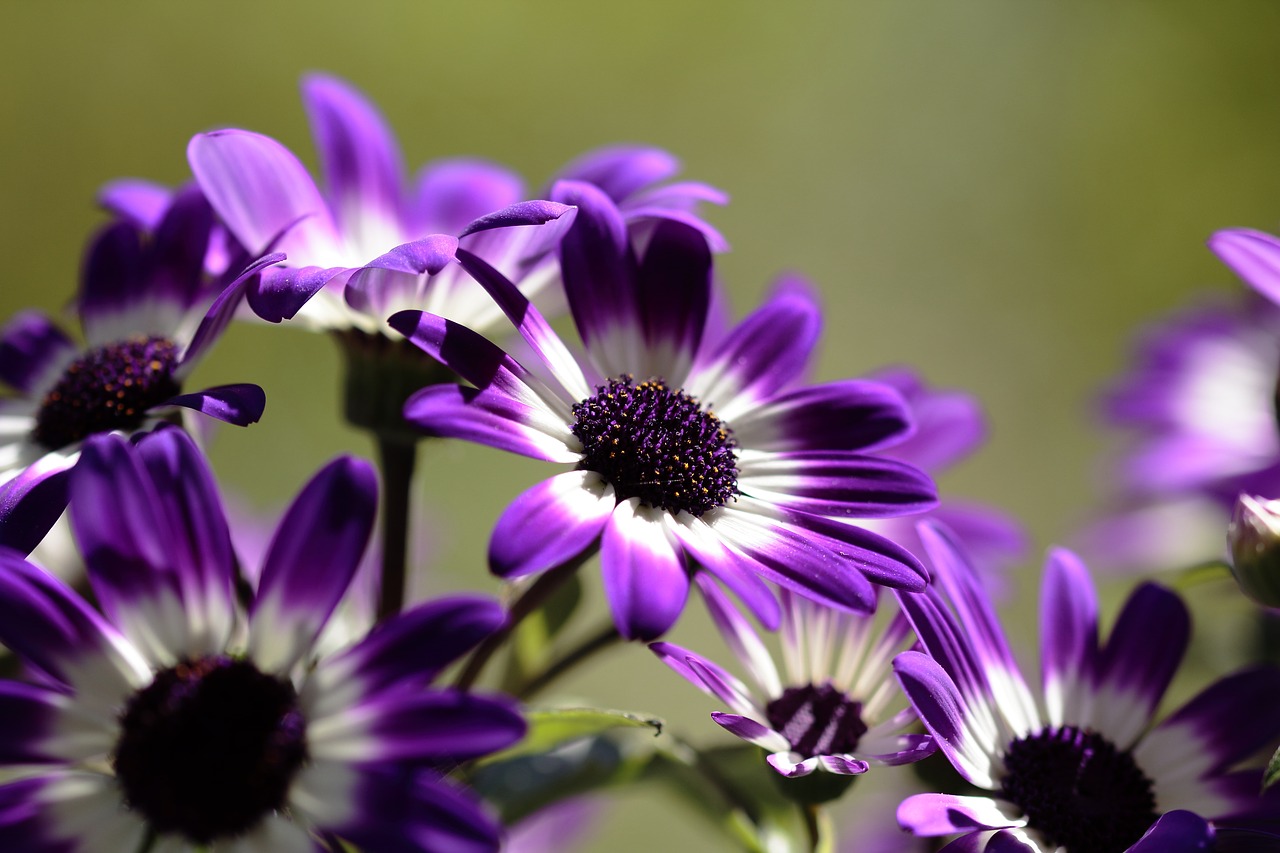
1079	790
209	748
817	720
657	445
107	388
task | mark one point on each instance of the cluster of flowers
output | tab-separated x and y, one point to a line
186	697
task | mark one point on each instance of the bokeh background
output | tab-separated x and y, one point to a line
995	191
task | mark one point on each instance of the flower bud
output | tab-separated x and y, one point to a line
1254	538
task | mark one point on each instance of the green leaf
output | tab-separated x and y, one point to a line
532	639
1272	774
550	728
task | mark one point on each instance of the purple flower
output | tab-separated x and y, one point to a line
373	243
172	714
832	708
149	315
1077	768
683	455
1199	403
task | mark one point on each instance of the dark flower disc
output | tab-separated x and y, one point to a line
1079	791
658	445
107	388
209	748
817	720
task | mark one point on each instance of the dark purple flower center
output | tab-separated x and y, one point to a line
1079	791
658	445
209	748
817	720
107	388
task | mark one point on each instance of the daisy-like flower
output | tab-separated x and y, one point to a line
148	315
681	455
1199	403
169	723
1077	768
833	707
371	243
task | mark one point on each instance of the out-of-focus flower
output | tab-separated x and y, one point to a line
148	315
163	722
833	707
682	455
1081	770
373	243
1254	537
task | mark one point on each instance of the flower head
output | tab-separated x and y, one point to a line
149	313
372	243
172	715
683	455
833	707
1077	768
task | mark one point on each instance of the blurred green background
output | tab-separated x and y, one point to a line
997	192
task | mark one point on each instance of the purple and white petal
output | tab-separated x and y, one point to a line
1138	662
34	497
740	637
550	524
266	198
673	291
837	484
240	405
311	561
81	812
843	765
221	313
1252	255
707	676
762	355
282	293
449	194
948	717
1068	638
33	353
42	726
852	414
944	814
363	172
751	731
735	570
113	283
792	764
645	577
492	418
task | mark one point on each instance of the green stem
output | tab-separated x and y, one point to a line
811	813
591	645
397	459
533	598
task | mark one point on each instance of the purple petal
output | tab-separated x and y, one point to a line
488	417
645	578
29	722
261	191
673	287
550	524
311	561
749	730
535	212
393	278
452	193
359	155
1138	662
1252	255
51	628
839	484
533	327
33	351
765	352
740	637
852	414
113	278
1068	634
949	424
943	814
234	404
280	292
599	274
222	311
621	170
141	201
706	675
415	645
176	254
1176	832
31	502
946	715
440	726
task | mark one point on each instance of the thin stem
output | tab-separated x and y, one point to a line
397	458
597	642
534	597
812	813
